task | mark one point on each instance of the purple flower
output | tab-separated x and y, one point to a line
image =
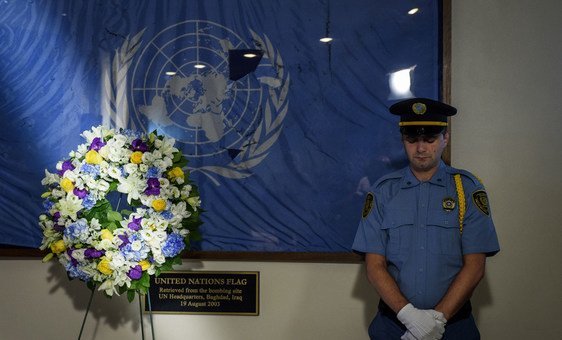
153	187
58	228
97	144
135	273
92	253
124	239
81	193
66	165
139	145
135	224
73	261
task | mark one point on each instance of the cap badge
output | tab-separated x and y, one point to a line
448	204
419	108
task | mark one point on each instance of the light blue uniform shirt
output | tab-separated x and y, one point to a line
415	226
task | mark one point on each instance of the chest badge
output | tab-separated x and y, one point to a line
449	204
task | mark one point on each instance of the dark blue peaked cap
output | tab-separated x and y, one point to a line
422	116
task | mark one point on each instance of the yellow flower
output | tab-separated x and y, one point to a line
106	234
176	172
136	157
144	265
104	268
93	157
66	185
58	247
159	204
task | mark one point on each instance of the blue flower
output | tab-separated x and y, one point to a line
167	214
153	172
92	170
76	272
130	253
88	202
173	245
77	231
47	205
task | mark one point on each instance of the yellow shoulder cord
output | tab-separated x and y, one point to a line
462	201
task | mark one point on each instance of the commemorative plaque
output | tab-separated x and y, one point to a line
193	292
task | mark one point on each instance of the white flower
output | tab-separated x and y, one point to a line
114	172
69	206
102	185
108	286
194	202
132	186
50	178
131	168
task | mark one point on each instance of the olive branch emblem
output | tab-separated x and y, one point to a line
114	102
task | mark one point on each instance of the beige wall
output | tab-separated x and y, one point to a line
506	81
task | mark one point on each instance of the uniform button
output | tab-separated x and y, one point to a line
422	247
421	270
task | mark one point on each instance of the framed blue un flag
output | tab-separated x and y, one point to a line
279	109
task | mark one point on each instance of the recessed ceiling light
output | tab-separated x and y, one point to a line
413	11
250	55
199	66
326	39
170	73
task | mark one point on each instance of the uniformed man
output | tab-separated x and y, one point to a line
426	231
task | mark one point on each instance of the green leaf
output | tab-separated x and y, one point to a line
131	295
113	185
145	280
114	216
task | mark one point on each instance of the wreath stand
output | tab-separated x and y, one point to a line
140	314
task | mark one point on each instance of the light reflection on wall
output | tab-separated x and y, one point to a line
400	83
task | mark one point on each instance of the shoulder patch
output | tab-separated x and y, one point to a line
368	206
480	198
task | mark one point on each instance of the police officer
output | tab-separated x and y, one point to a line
426	231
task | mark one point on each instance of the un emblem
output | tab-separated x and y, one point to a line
180	86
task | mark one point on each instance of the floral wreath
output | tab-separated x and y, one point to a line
118	250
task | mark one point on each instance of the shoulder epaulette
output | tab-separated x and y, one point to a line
467	174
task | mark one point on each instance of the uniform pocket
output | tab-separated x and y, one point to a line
444	234
398	225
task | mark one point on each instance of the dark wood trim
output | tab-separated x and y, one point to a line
446	71
21	252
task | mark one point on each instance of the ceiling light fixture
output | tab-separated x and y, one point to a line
413	11
326	39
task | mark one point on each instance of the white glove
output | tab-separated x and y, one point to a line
423	324
408	336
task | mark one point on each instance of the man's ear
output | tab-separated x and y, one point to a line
446	137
